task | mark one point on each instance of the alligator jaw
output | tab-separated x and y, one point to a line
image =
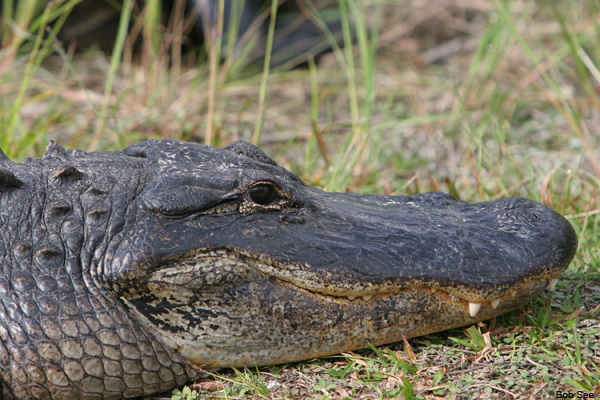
243	264
224	310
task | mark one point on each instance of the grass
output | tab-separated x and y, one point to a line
479	99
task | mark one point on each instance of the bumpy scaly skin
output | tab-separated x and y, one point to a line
120	270
63	335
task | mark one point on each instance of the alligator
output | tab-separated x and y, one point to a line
123	274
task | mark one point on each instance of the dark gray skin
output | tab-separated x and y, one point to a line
122	271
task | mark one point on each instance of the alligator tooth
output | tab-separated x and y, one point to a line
351	298
552	283
495	303
367	297
474	308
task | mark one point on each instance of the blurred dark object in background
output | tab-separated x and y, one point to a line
245	23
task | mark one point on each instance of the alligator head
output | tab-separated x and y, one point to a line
170	253
232	260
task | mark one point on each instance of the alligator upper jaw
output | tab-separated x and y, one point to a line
362	246
351	246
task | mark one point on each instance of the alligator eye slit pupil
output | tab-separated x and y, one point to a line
262	194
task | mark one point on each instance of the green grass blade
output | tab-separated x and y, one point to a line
112	73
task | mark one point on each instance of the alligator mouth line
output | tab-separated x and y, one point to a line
468	295
473	307
217	267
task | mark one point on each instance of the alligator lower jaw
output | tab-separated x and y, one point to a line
415	312
270	321
224	308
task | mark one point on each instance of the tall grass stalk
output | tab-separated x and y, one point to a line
214	60
19	25
357	142
177	42
151	57
261	113
17	20
30	68
115	62
317	136
348	62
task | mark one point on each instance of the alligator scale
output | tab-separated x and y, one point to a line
120	272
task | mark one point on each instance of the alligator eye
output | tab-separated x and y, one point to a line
262	194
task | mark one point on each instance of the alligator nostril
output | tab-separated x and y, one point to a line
515	219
